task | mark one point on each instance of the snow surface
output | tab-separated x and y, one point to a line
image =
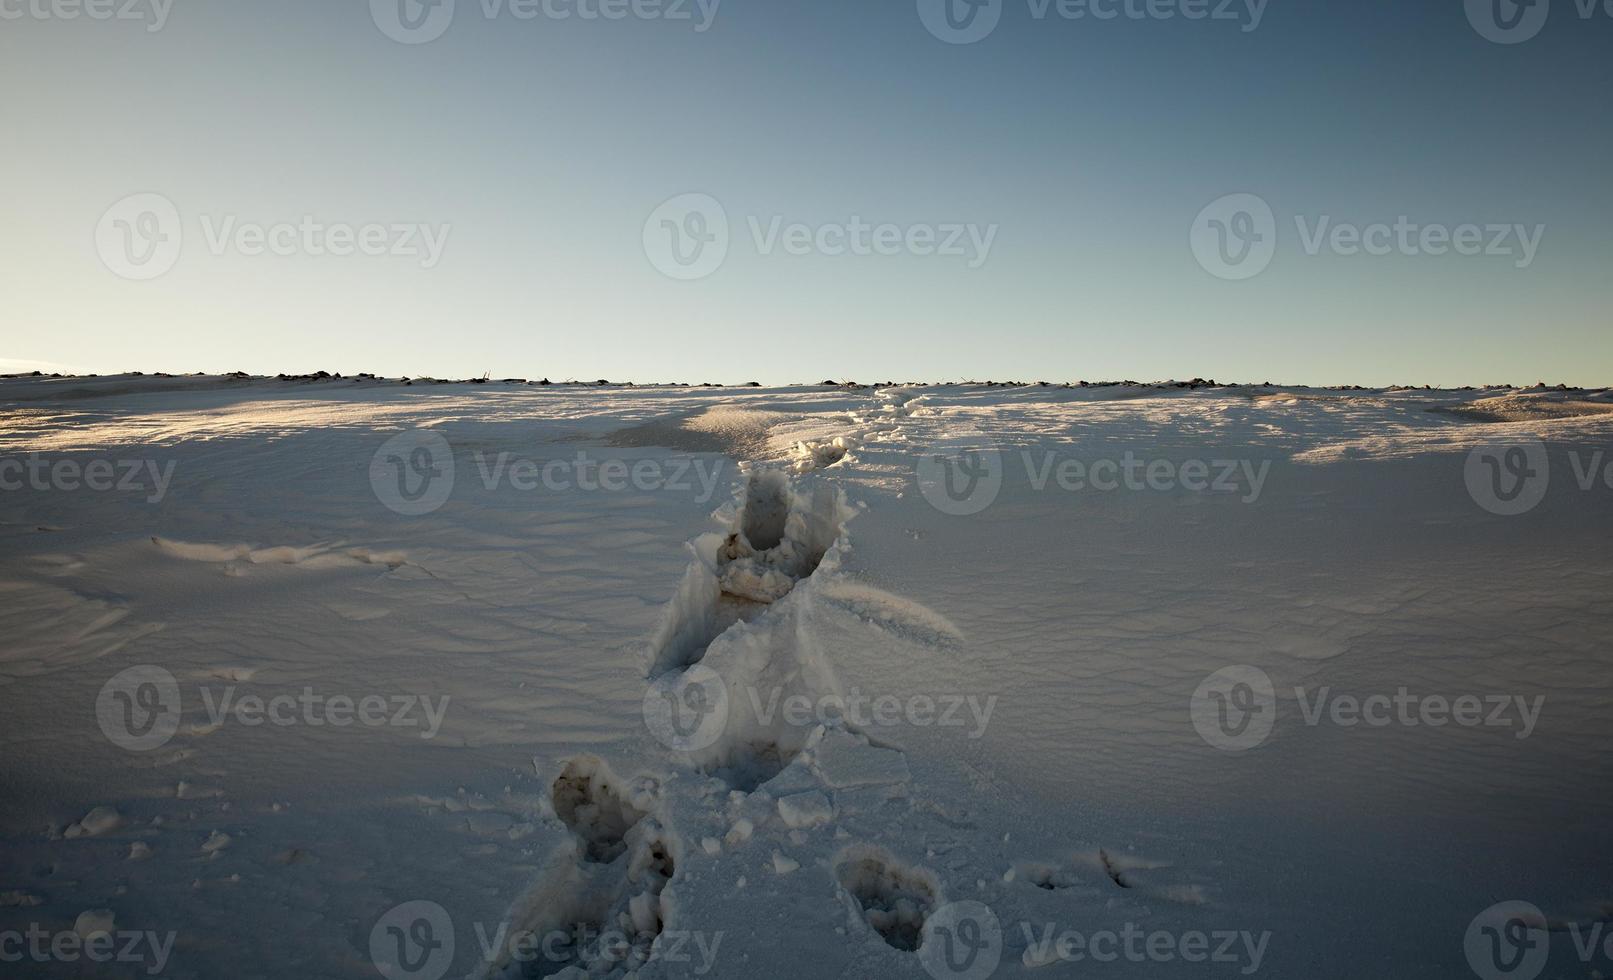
546	646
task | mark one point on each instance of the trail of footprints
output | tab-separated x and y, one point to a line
624	859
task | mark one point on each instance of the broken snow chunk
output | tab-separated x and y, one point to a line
797	777
489	822
845	760
814	454
139	851
784	865
809	809
18	899
216	841
740	832
100	820
645	910
94	922
711	845
1185	894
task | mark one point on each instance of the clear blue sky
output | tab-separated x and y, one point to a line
546	145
